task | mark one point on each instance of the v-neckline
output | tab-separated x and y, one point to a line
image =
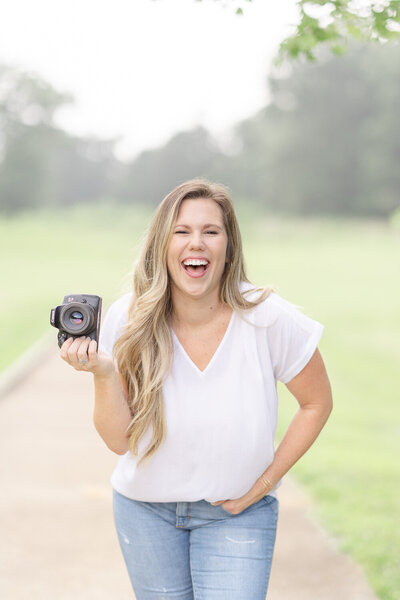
214	356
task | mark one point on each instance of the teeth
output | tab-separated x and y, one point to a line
195	262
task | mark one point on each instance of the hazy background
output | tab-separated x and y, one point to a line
104	109
120	104
141	71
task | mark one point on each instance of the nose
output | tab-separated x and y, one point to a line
196	240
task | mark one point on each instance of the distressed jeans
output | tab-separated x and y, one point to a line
196	551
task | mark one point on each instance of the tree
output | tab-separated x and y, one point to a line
40	164
334	23
329	141
155	172
27	108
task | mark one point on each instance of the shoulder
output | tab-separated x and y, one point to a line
118	310
114	320
291	335
266	312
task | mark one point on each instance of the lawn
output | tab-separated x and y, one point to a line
46	255
345	274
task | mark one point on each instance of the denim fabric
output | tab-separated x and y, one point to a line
196	551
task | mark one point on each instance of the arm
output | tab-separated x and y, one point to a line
312	390
111	414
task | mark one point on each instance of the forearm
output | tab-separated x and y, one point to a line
111	414
312	390
300	435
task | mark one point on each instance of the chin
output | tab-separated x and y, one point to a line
193	288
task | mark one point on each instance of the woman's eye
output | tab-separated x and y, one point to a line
209	232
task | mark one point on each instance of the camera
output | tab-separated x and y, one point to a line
78	315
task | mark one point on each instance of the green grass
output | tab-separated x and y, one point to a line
46	255
346	274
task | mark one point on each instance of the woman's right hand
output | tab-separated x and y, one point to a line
81	353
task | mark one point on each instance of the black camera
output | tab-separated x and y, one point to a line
78	315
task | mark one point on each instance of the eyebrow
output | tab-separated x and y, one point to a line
207	225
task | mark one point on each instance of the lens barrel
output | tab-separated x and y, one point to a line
76	318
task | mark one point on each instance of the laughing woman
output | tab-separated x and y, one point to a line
185	392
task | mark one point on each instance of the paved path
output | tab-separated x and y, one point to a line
57	535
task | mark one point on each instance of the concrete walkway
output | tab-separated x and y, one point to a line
57	535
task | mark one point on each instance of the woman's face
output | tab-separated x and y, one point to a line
196	255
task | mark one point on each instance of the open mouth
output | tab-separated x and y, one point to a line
196	270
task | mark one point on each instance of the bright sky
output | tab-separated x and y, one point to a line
141	70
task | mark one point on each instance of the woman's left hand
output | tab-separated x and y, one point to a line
238	505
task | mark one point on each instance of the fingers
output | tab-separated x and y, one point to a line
79	353
65	346
92	349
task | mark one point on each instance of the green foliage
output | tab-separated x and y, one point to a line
327	143
154	173
329	140
26	100
333	23
40	164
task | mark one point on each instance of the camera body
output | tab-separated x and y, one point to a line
78	315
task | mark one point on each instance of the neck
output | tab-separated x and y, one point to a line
195	312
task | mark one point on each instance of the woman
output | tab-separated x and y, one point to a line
185	391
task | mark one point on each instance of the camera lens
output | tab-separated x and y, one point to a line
77	318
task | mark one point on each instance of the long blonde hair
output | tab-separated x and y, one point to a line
144	351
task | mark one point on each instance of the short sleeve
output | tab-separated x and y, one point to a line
111	328
292	338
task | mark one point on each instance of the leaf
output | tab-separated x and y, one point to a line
338	50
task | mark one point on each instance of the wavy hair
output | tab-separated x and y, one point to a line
144	350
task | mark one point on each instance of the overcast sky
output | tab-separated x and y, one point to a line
145	69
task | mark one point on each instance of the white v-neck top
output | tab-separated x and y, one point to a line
221	422
179	348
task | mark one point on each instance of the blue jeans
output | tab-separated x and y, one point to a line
196	551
